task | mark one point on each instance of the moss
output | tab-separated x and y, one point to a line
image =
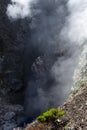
51	115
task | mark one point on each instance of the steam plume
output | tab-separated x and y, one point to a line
19	8
76	29
57	27
77	21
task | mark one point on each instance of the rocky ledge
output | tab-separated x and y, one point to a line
75	117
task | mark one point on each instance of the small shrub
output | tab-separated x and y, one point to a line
51	115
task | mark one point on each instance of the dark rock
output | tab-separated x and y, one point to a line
9	116
8	126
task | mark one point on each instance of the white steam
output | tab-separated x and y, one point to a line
19	8
53	31
76	25
76	30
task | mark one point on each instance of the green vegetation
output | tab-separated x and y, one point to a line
51	115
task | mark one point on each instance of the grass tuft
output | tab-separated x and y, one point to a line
51	115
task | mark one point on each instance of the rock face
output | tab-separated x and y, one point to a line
26	67
11	71
14	68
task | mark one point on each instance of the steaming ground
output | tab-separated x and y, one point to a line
57	37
